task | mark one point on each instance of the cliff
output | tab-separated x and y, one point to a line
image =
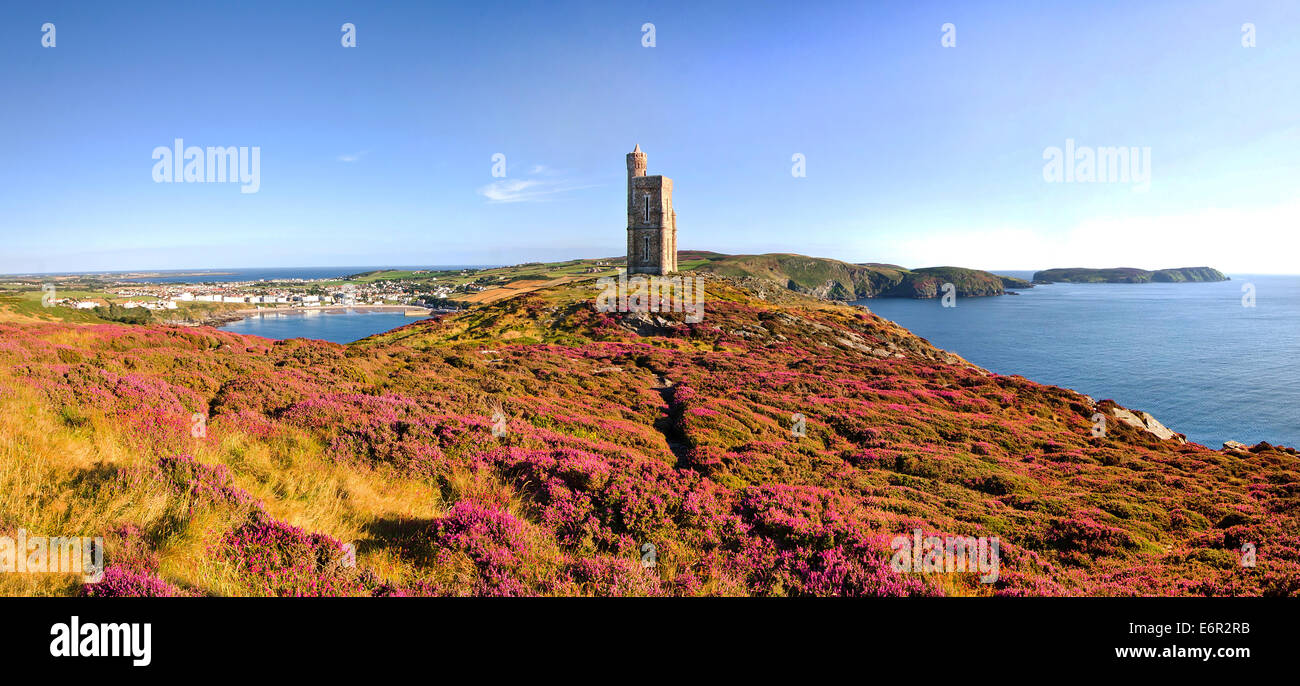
835	280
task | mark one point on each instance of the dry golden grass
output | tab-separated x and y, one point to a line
518	287
57	480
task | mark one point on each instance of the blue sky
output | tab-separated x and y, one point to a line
915	153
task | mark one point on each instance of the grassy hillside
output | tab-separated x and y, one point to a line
537	446
1128	275
25	306
818	276
836	280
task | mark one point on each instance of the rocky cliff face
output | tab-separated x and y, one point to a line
928	283
834	280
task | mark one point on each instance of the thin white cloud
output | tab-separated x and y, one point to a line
542	183
353	157
512	190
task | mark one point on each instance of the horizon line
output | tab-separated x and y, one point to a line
395	266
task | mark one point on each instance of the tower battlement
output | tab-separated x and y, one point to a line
651	221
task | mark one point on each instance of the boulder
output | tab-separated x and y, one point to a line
1160	430
1148	423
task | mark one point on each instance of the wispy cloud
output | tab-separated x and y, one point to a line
540	184
353	157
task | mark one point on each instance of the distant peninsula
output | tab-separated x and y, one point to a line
846	281
1128	275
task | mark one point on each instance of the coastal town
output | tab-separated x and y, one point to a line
422	293
306	294
201	298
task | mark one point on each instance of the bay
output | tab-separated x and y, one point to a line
1191	354
344	326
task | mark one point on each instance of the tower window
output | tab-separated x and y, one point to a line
646	254
646	216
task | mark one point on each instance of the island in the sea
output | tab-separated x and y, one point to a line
1128	275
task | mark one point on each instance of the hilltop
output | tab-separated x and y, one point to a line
835	280
534	445
1128	275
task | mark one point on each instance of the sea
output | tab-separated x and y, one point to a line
1215	361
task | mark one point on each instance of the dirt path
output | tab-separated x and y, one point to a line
665	424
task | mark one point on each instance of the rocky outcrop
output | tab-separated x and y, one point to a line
843	281
928	282
1146	422
1240	449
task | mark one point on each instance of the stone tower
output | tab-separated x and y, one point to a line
651	221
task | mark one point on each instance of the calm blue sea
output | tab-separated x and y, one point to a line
338	327
1191	354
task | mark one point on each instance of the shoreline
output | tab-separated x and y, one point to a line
219	319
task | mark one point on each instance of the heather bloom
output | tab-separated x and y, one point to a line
395	431
675	436
123	582
494	541
198	484
614	577
275	558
